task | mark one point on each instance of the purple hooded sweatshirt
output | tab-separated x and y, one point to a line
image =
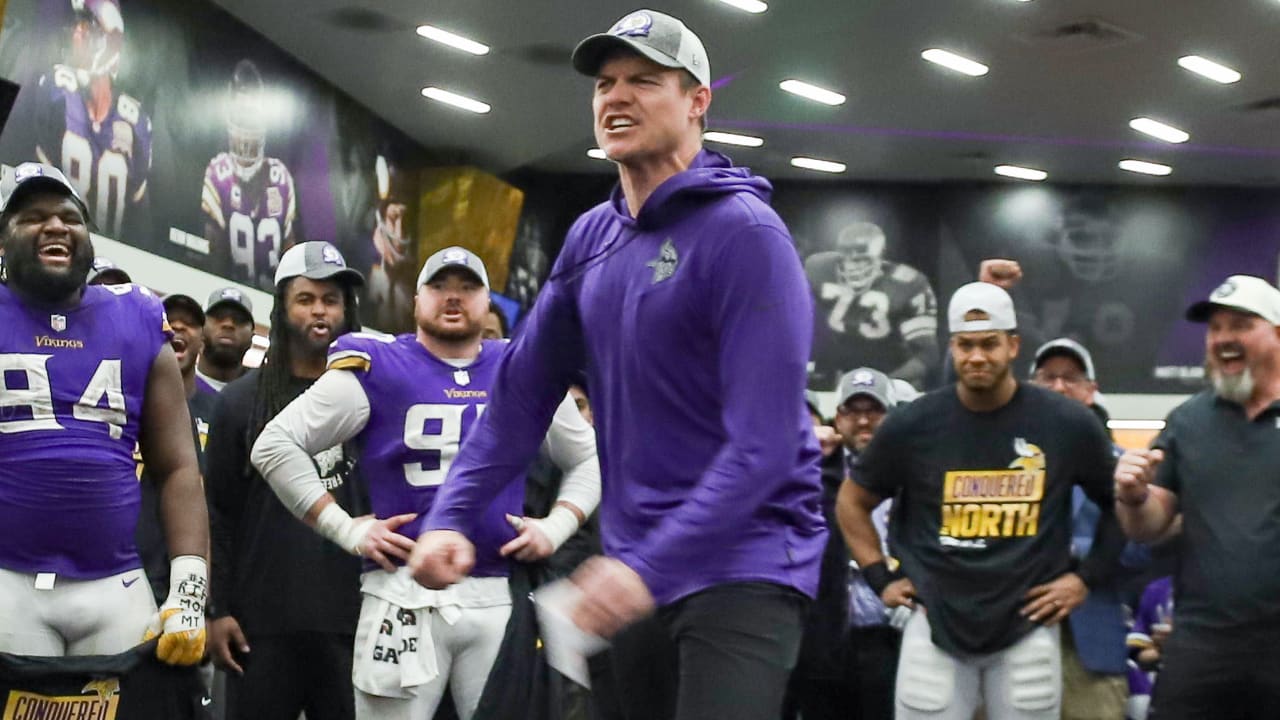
693	324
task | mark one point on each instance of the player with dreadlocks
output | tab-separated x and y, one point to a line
284	608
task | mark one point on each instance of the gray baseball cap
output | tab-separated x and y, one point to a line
30	177
453	257
869	382
989	299
1068	347
657	36
229	296
316	260
1246	293
105	272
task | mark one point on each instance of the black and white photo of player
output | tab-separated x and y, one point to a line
249	202
1100	266
98	135
870	311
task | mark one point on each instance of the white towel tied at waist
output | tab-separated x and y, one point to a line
397	651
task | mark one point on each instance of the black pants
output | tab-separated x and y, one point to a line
287	674
859	683
1233	678
725	652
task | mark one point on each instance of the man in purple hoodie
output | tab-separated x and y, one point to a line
683	300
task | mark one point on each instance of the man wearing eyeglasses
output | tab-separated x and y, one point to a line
1093	651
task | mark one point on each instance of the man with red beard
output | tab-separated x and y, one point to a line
409	402
86	375
1216	463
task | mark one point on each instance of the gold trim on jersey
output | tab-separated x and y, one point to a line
350	360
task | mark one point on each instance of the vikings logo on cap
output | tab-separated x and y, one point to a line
456	255
634	25
1226	289
864	379
27	170
232	294
331	255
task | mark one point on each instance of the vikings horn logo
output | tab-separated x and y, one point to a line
1030	457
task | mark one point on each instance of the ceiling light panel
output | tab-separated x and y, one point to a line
812	92
1210	69
444	37
1145	168
456	100
1021	173
1159	130
952	61
826	166
732	139
751	6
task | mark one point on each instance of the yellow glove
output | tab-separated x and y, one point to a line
180	621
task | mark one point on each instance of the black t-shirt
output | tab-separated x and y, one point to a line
1225	470
270	571
153	547
983	508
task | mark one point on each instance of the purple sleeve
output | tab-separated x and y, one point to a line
532	380
759	301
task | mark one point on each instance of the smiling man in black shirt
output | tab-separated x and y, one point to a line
982	472
1217	462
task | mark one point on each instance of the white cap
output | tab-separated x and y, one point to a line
1240	292
903	391
982	297
657	36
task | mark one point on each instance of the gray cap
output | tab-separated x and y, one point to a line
184	302
453	257
316	260
1240	292
811	400
989	299
229	296
1068	347
105	272
657	36
866	381
32	177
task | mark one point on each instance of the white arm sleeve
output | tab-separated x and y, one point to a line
332	411
571	445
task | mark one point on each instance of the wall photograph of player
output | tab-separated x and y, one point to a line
97	134
390	286
869	310
248	199
280	156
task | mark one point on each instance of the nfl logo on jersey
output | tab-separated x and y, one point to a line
58	322
462	377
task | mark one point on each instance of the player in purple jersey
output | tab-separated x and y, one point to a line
248	199
98	136
88	372
409	402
